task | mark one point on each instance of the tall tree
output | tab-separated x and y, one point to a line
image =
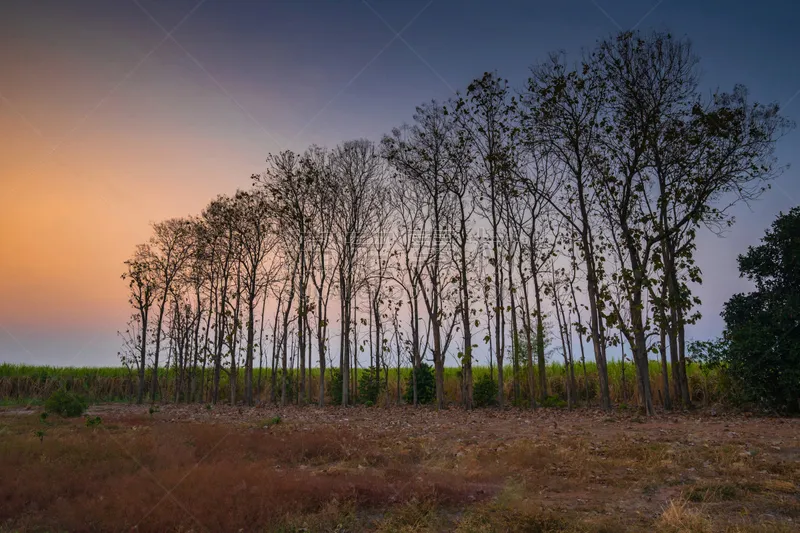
143	289
661	145
171	245
486	116
358	174
421	154
562	122
258	242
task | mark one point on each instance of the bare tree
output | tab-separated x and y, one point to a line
485	115
358	175
562	122
143	286
171	245
421	154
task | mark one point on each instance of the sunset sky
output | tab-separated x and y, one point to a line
110	122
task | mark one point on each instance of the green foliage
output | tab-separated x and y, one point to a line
484	392
762	334
153	410
291	386
369	385
335	386
426	385
553	401
273	421
707	354
40	433
92	422
66	403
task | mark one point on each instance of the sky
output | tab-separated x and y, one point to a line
116	114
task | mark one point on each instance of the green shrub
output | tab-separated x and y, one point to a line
368	386
484	392
554	401
93	421
335	386
66	404
426	385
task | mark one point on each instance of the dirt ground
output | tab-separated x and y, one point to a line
196	468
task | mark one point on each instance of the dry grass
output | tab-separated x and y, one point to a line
189	469
679	517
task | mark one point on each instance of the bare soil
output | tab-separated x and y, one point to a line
190	468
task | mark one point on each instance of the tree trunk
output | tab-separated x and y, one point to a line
662	348
154	383
540	338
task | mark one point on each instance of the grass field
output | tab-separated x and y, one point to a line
22	384
191	468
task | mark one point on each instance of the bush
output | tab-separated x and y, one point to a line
368	386
335	386
426	385
484	393
291	387
554	401
66	404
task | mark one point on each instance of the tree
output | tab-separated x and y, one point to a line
171	244
663	150
358	174
762	328
421	155
485	116
257	240
318	167
563	123
142	285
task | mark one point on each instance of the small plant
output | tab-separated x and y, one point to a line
40	433
554	401
43	418
712	493
335	386
153	410
369	385
271	421
92	422
208	407
368	403
484	393
66	404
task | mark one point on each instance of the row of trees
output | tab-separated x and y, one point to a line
565	213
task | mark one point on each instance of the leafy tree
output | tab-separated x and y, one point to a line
763	327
